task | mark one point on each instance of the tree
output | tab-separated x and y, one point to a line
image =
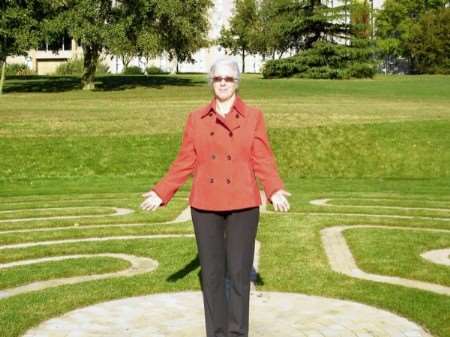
396	20
429	42
87	21
296	25
360	12
19	29
132	31
319	21
388	50
132	28
329	42
183	27
239	36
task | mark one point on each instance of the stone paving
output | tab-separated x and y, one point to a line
272	313
439	256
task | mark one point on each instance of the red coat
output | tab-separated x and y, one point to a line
224	155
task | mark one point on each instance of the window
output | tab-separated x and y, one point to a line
62	42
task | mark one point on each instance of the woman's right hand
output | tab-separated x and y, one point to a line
279	201
152	202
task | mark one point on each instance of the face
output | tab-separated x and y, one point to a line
224	82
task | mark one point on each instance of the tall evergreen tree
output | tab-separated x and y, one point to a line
299	24
328	41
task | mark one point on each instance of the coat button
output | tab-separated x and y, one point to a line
228	157
212	133
237	115
213	156
228	181
210	114
211	180
230	134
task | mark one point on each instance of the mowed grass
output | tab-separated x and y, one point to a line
363	143
388	127
397	252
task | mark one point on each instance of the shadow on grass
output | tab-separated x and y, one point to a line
38	83
195	263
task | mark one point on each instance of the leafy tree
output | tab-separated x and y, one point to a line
388	50
19	29
87	21
183	26
132	31
396	20
132	28
238	37
429	42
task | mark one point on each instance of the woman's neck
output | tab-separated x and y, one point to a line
223	107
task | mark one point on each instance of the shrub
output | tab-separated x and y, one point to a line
18	70
102	69
322	73
326	60
71	67
361	70
132	70
153	70
75	67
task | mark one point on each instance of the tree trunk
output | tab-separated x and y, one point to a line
2	79
125	61
91	55
174	68
243	60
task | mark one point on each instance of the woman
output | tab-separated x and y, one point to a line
225	147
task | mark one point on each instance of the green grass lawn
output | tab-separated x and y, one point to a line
364	144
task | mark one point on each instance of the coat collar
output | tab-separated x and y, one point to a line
238	105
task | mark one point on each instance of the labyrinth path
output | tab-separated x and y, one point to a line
180	314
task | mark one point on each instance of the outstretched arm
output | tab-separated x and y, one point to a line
180	168
265	167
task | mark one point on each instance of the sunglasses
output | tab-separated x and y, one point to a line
228	79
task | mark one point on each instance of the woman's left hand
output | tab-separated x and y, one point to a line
279	201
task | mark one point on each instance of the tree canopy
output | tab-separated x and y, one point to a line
19	28
126	28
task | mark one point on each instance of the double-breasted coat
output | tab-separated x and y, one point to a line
224	155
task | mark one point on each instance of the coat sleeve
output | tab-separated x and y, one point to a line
180	169
263	159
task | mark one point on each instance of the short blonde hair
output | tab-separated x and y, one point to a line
224	62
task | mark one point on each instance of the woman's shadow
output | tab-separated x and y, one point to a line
255	277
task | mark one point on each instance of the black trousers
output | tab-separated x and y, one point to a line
226	245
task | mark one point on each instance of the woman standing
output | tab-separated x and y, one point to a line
225	147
